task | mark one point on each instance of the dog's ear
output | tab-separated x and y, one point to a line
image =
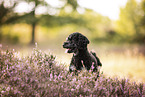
82	42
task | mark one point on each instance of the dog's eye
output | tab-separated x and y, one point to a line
66	38
69	38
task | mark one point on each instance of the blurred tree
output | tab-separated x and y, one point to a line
54	16
143	15
141	37
72	3
30	17
33	19
7	14
130	20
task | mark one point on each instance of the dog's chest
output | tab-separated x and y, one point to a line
82	57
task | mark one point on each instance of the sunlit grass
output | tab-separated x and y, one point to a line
20	30
122	65
42	34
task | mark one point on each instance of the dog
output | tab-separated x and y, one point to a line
77	44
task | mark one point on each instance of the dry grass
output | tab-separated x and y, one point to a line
120	65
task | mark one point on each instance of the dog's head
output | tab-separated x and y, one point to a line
76	41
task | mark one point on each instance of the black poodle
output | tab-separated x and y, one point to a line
77	43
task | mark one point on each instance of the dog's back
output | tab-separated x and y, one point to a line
98	60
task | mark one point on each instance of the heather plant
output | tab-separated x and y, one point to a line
40	75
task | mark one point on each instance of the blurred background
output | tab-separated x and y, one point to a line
115	28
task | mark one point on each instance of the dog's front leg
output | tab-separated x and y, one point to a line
75	64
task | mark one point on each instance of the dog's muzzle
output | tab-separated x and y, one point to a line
70	47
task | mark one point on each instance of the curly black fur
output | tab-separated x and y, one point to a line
77	43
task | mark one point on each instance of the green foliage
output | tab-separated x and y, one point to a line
129	25
73	3
40	75
129	28
7	14
29	17
54	21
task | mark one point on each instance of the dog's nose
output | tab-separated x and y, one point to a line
65	43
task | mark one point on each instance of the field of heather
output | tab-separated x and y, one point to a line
116	33
40	74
